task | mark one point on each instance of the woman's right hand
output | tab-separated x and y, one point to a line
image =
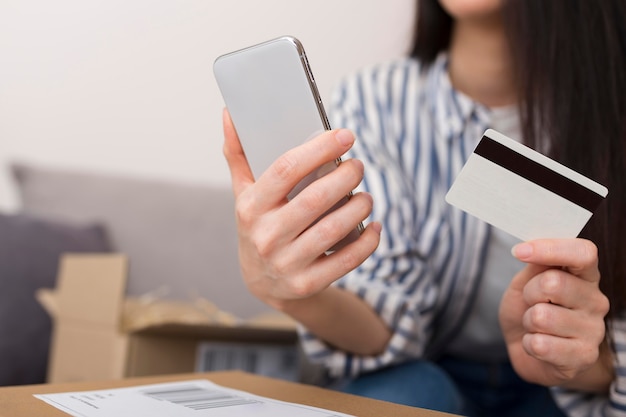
282	258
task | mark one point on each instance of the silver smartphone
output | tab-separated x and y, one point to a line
273	101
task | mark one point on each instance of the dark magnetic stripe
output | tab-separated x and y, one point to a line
537	173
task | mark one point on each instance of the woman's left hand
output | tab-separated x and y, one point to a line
552	315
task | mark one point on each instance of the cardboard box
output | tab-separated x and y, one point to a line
99	334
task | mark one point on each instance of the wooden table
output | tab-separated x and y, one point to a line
18	401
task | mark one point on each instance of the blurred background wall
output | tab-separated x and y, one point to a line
126	86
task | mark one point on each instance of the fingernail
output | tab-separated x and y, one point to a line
377	227
522	250
345	137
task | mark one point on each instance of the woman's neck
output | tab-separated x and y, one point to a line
480	61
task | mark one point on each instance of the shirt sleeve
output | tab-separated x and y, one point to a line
396	281
613	404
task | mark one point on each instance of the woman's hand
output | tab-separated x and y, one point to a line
552	315
282	258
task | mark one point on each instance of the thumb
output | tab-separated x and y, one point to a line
240	172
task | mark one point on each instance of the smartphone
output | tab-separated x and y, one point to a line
275	105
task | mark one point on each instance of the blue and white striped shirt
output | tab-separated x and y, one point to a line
414	133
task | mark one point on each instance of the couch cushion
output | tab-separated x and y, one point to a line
29	255
178	235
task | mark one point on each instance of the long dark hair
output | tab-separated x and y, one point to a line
570	57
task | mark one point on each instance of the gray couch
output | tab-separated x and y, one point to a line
180	239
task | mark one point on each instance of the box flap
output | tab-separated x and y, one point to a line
140	314
91	288
241	333
48	299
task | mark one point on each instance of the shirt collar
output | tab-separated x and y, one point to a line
451	109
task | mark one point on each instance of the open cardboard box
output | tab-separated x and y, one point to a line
99	334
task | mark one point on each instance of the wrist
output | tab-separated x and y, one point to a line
296	307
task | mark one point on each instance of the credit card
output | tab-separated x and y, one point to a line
523	192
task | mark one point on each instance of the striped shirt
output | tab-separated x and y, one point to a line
414	133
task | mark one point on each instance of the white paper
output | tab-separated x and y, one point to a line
193	398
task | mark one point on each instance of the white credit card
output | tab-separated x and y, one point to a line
523	192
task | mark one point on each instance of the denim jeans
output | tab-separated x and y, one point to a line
457	386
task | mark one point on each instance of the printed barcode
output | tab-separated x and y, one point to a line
198	398
219	359
276	361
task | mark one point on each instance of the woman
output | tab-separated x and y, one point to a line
421	321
